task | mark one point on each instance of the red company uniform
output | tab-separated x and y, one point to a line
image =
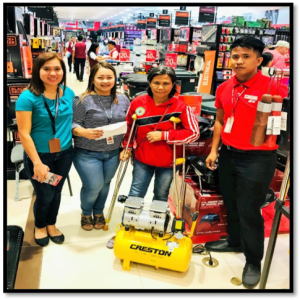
160	154
70	49
80	57
114	54
245	110
245	171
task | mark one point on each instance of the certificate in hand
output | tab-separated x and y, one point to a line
113	129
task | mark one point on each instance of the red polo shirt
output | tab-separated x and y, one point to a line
245	110
80	49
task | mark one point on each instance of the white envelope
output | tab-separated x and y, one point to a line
113	129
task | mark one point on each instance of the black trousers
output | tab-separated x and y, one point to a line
79	67
70	62
244	182
48	197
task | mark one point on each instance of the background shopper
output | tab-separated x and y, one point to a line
96	161
41	155
93	57
245	171
281	49
69	49
79	57
154	145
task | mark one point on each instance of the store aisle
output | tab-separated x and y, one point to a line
84	262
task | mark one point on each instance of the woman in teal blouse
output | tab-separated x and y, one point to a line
44	117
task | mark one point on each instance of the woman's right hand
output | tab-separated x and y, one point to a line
210	160
123	156
93	133
40	172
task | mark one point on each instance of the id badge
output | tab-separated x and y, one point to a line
229	124
110	140
54	145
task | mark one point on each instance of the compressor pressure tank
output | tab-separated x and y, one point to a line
143	247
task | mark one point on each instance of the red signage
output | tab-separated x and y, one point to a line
171	60
125	55
150	55
182	14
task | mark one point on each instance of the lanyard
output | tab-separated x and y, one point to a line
237	98
49	112
109	119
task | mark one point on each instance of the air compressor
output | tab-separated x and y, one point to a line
143	238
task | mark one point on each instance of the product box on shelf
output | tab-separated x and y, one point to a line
14	55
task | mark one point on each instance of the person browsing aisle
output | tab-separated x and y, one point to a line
44	117
79	57
69	49
93	57
96	161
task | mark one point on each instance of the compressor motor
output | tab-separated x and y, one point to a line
155	219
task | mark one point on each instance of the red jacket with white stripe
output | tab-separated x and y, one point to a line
160	154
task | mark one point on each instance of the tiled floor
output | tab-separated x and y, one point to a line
84	262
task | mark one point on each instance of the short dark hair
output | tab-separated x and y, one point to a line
162	71
72	36
80	38
112	43
250	43
267	57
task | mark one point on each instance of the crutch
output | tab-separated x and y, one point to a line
176	162
120	177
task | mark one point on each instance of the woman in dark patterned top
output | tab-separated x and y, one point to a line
96	160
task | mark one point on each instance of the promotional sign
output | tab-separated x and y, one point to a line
164	20
150	55
207	14
182	18
151	22
125	55
141	24
208	70
171	60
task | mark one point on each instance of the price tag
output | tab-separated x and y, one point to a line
171	60
150	55
283	121
125	55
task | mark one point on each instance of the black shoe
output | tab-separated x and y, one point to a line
222	246
81	80
251	276
41	242
74	72
57	239
70	70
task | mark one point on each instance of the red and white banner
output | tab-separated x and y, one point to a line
125	55
171	60
150	55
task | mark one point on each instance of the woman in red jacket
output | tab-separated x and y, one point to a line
155	135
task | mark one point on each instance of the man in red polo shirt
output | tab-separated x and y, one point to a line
79	57
245	171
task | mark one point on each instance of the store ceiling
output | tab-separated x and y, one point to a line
125	13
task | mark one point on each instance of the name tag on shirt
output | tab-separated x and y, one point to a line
110	140
252	99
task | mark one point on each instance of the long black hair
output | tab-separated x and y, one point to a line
93	48
162	71
267	57
91	87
